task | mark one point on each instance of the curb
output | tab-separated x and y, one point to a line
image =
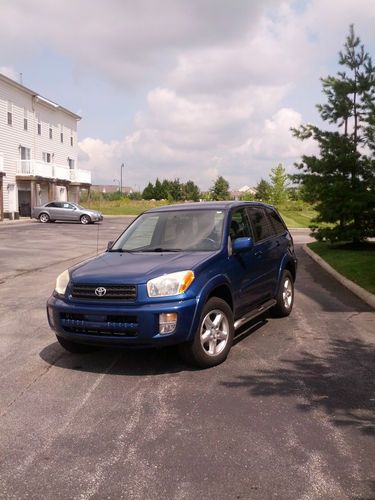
363	294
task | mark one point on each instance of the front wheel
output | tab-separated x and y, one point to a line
43	217
74	347
214	336
285	296
85	219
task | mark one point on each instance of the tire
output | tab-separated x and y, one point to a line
85	219
43	217
285	296
74	347
214	336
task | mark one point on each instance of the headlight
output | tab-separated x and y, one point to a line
170	284
62	282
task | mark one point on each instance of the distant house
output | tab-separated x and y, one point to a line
242	191
38	151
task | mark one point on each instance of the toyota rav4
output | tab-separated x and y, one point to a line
189	274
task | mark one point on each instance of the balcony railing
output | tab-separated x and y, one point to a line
83	176
33	168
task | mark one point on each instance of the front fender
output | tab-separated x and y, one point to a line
202	297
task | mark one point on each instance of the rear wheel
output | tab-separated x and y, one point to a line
85	219
285	296
43	217
74	347
214	336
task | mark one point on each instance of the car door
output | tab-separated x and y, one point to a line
69	212
54	210
246	269
267	249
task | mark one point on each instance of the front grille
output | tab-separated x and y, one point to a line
112	292
100	324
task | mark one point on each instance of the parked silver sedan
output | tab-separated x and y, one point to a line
65	210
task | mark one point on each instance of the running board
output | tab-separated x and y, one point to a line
254	313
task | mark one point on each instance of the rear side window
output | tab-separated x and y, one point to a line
261	224
277	223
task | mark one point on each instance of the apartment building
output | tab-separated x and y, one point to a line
38	151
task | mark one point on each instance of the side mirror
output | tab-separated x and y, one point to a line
242	244
109	245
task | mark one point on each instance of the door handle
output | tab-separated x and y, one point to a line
258	253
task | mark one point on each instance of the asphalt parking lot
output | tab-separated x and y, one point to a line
290	414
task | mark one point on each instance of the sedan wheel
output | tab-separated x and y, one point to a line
85	219
44	217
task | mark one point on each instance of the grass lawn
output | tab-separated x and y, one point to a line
292	218
297	218
356	264
121	207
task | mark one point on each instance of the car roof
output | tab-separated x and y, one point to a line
213	205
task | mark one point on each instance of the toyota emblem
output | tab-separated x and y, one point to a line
100	291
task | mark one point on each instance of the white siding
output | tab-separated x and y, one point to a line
24	105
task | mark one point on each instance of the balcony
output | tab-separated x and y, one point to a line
35	168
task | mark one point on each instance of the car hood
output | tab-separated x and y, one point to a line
134	268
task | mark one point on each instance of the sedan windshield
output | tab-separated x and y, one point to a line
173	231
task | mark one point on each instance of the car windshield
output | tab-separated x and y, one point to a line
173	231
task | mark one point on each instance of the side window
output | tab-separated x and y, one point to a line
277	223
239	226
261	224
51	205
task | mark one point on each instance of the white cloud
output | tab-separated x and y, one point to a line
221	82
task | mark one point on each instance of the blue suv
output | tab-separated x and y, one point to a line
189	274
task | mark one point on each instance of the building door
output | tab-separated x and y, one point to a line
24	203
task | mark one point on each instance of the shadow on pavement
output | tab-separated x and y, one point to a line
132	362
340	381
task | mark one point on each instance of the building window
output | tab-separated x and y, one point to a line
47	157
25	125
71	141
61	137
71	163
10	114
50	133
39	129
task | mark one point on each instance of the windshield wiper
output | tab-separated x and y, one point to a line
120	250
160	249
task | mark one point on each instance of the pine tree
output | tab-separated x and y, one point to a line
148	192
263	191
279	179
341	181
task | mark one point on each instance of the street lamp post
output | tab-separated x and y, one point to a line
122	166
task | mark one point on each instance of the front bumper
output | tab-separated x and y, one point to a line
121	324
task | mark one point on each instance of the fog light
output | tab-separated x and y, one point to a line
167	323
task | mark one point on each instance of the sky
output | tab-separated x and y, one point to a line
187	89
